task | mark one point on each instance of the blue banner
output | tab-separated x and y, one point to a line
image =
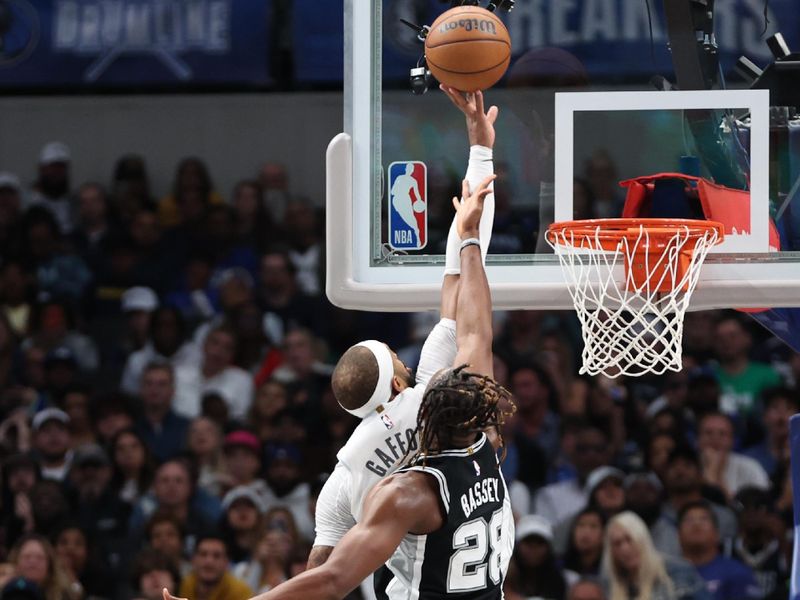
612	39
133	43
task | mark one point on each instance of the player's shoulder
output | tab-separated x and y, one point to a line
403	490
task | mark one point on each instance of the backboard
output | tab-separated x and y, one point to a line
570	130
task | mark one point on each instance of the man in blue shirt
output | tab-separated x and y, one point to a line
162	429
726	578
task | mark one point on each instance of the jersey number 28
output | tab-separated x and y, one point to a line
471	542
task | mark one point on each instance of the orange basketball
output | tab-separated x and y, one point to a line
468	48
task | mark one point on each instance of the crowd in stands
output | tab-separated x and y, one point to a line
167	420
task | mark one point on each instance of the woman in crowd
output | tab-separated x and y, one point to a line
241	522
34	559
271	399
205	445
133	466
585	545
632	569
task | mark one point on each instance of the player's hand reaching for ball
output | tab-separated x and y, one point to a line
470	209
480	123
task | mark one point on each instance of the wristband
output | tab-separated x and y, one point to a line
469	242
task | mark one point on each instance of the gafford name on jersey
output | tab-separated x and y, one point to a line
479	494
394	448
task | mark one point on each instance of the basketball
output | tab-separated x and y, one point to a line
468	48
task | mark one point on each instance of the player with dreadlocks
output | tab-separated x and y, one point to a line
444	520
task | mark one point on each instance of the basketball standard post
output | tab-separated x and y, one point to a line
794	447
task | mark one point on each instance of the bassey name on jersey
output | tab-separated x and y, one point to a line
394	448
486	490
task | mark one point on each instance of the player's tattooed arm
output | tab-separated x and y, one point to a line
397	505
318	556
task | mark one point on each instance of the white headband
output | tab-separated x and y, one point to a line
383	389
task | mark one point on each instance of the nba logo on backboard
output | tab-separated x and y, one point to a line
408	205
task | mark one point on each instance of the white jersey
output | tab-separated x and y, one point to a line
381	443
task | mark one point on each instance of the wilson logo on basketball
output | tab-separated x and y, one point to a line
469	25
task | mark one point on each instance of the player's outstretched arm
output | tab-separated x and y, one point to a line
474	311
397	505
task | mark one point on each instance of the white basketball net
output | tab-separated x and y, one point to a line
630	327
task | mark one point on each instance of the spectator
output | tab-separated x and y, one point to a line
216	373
533	572
130	187
241	522
723	468
165	534
585	545
271	399
657	450
741	379
220	241
243	462
174	492
195	296
162	429
210	578
53	326
269	566
586	589
254	225
35	560
76	402
778	405
644	495
133	466
726	578
683	484
306	254
286	488
192	194
758	544
558	501
100	512
537	425
8	349
205	446
111	413
632	568
605	493
152	572
58	275
51	190
166	344
274	181
605	490
280	295
138	305
16	285
93	224
51	441
18	477
10	213
88	575
49	505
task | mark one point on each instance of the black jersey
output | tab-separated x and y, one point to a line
468	556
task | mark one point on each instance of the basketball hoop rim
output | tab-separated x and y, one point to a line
609	232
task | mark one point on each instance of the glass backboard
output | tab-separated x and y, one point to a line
578	115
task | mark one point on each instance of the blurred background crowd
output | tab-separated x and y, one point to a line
166	415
